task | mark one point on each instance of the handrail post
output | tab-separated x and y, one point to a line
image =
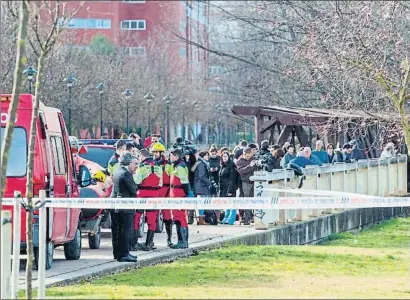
16	244
42	246
5	255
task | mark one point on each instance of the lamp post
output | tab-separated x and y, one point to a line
127	93
30	72
70	79
100	89
196	106
167	100
149	97
183	103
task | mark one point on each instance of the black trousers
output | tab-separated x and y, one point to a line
125	231
114	233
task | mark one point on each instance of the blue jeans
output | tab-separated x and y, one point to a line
201	212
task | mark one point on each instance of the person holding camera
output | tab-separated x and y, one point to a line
266	161
215	166
246	166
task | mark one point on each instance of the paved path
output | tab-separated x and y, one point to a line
100	261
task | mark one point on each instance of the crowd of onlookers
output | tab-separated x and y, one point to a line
224	173
148	170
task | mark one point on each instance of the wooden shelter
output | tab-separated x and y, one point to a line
278	123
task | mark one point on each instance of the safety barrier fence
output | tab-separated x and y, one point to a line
9	283
373	177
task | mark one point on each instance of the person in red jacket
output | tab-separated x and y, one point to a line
179	188
164	190
149	177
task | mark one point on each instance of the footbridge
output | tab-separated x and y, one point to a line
373	177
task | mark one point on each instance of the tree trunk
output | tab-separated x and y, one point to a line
17	82
29	186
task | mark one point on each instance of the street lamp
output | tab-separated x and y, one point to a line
149	97
100	89
196	106
167	100
183	103
70	79
127	93
30	72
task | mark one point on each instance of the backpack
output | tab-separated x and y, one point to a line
210	217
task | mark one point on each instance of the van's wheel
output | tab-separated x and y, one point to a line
72	250
94	240
49	255
160	223
141	228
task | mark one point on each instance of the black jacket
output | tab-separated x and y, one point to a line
202	184
269	162
228	179
191	175
214	166
339	157
124	185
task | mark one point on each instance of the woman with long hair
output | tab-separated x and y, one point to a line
228	178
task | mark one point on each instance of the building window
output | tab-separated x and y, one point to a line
135	51
182	26
215	89
182	52
81	23
133	1
133	25
216	70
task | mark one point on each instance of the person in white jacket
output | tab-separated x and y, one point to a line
388	151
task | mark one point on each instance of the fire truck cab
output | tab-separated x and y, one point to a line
53	171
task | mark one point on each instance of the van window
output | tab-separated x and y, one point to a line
59	155
17	164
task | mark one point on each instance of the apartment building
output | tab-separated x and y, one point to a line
139	27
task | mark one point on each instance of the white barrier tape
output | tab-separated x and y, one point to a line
225	203
313	192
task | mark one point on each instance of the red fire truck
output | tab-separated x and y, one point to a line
53	171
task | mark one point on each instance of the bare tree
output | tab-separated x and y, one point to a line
17	83
47	20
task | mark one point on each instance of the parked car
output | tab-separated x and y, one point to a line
98	153
95	158
110	142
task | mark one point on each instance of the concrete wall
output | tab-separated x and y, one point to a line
368	177
320	228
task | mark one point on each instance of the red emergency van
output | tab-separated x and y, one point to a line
53	171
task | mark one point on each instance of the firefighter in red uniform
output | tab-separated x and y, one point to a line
164	193
149	178
180	188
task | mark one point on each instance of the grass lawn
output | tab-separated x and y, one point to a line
372	264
